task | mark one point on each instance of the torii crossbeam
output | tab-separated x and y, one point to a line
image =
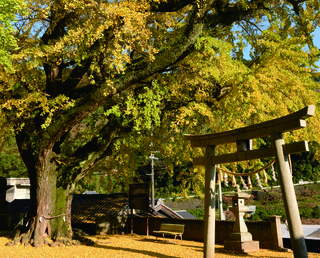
242	137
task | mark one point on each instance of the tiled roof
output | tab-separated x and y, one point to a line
88	208
162	209
151	213
166	211
90	192
186	215
18	181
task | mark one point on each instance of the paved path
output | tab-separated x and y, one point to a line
310	231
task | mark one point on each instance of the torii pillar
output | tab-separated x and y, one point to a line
209	202
289	197
242	137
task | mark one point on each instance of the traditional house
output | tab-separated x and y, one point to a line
108	213
16	189
14	201
92	212
100	213
167	212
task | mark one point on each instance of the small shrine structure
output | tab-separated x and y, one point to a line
242	137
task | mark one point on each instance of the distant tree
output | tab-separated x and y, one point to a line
11	164
305	166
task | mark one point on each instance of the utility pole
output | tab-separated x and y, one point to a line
152	169
152	180
152	176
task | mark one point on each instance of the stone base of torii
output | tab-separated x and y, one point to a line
242	137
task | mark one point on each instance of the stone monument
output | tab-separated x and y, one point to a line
240	239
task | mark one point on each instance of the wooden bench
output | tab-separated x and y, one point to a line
170	229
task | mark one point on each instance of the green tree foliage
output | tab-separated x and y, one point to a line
91	77
102	183
11	164
305	166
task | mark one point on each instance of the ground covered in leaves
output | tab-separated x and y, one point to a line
127	246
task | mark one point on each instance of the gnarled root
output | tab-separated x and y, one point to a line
25	240
28	238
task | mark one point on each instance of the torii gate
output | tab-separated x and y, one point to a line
279	150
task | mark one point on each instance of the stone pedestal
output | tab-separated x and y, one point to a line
240	238
241	247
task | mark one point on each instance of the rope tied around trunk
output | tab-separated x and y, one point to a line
45	217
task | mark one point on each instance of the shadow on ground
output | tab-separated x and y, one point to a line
168	241
7	234
220	250
150	253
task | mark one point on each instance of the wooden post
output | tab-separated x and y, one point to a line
289	198
147	222
131	221
209	203
221	215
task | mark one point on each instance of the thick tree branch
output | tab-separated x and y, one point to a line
98	95
183	45
295	5
73	80
169	6
53	67
226	14
87	155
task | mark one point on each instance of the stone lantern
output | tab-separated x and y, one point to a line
240	238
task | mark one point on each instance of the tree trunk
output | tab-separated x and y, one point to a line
49	215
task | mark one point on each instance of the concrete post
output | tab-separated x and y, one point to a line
209	203
289	198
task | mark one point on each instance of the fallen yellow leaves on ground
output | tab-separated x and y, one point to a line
129	246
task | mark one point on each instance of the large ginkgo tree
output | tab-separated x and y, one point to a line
89	78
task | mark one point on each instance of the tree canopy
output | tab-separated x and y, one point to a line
8	10
92	78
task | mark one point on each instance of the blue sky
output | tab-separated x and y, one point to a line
316	40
